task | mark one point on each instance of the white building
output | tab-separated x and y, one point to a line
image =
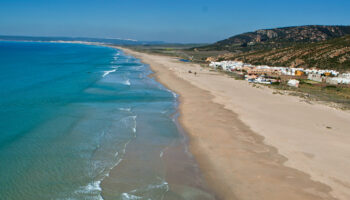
338	80
227	65
315	77
313	74
293	83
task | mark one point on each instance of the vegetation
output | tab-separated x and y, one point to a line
314	91
305	46
330	54
278	38
183	51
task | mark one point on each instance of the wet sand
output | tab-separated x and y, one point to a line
253	144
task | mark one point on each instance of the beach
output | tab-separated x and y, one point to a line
251	143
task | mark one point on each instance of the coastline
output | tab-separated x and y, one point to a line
175	171
183	179
237	162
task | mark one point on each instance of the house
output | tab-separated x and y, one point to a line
256	73
338	80
293	83
315	77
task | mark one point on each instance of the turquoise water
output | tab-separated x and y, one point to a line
70	114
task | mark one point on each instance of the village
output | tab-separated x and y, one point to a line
291	76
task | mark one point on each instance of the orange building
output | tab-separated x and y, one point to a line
299	73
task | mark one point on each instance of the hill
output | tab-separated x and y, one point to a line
329	54
279	37
301	46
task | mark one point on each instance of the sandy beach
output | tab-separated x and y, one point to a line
253	144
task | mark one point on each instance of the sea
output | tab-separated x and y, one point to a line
81	122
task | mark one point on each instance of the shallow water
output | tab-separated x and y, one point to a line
74	117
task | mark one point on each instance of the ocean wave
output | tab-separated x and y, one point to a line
135	124
125	109
173	93
94	186
101	166
137	68
162	152
115	66
126	196
127	82
105	73
92	190
166	89
115	57
151	191
116	164
163	185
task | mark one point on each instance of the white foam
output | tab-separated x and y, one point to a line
130	195
93	188
116	164
127	82
125	145
130	121
135	124
173	93
163	185
126	196
115	57
108	72
162	152
159	186
125	109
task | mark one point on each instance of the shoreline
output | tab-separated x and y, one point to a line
246	165
181	175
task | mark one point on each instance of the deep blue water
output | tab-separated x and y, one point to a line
67	114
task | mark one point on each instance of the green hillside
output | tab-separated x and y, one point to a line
329	54
301	46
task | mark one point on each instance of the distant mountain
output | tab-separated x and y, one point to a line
279	37
115	41
299	46
329	54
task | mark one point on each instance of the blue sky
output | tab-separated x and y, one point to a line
172	21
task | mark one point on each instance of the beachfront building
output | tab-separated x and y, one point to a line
315	77
324	72
254	72
293	83
227	65
337	80
345	75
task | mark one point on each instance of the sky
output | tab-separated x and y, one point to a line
182	21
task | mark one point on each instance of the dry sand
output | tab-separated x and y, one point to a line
253	144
